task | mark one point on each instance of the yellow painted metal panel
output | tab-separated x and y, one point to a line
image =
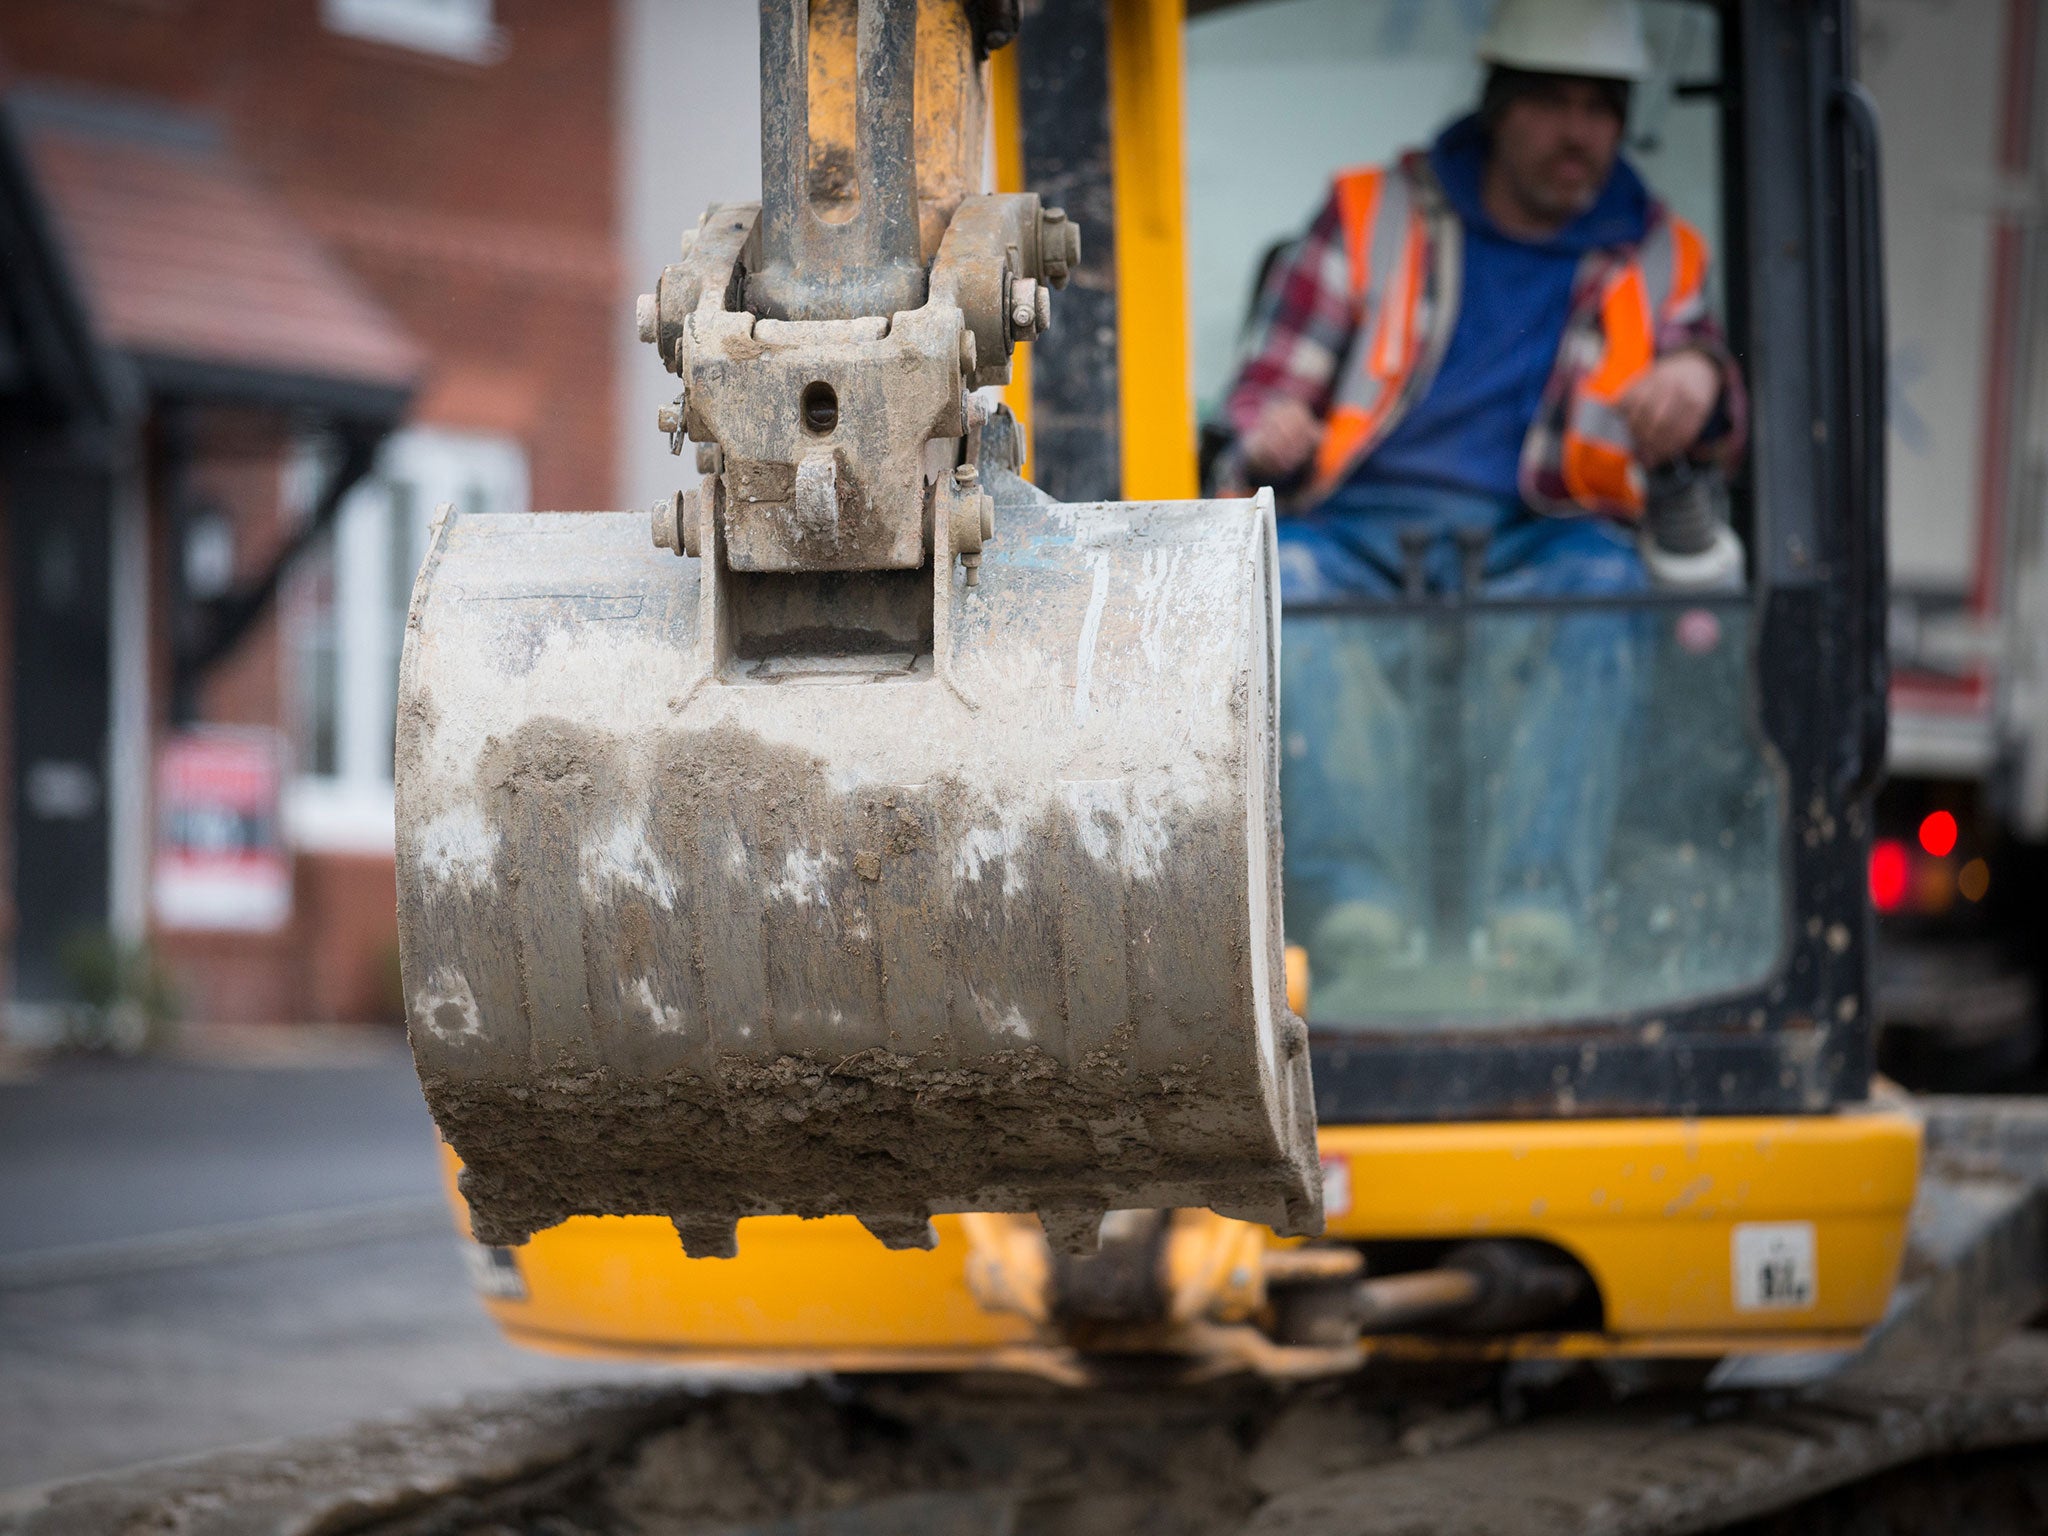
1651	1207
1156	393
622	1283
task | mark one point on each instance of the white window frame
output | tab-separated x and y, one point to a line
350	810
454	29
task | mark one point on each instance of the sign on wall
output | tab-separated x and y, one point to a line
221	863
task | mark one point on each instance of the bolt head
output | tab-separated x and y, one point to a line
647	316
1023	306
690	522
669	419
1059	245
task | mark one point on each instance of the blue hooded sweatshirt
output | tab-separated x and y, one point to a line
1466	432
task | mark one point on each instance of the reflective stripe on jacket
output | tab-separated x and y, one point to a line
1404	244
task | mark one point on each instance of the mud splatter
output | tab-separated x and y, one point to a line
872	949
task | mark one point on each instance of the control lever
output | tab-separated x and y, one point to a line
1685	540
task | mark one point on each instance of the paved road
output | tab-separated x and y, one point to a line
196	1256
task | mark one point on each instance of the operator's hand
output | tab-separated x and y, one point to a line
1668	407
1285	437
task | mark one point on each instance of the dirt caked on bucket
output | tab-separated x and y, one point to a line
968	902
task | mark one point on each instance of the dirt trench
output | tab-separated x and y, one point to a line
985	1458
1950	1447
1955	1445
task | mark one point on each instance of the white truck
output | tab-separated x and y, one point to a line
1963	823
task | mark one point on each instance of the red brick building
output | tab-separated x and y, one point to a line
330	262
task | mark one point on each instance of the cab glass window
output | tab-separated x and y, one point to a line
1504	808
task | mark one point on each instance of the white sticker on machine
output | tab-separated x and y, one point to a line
1336	1185
1775	1265
495	1272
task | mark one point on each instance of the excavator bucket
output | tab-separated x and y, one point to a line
877	835
986	922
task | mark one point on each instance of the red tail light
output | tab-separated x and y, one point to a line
1890	874
1938	834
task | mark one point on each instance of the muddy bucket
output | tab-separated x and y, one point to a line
965	901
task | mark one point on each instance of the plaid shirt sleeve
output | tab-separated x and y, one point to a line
1688	326
1693	327
1301	330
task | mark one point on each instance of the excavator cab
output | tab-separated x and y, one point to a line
1578	855
897	835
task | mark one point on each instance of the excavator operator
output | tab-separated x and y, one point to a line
1460	381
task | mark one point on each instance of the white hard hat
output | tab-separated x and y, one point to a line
1599	38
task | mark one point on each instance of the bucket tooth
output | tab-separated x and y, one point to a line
1076	1234
497	1223
909	1229
708	1237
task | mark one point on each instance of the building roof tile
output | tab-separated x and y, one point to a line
184	256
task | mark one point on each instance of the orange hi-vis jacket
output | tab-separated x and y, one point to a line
1629	305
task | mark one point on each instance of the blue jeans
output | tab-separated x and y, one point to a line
1532	710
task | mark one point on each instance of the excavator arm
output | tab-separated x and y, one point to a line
878	836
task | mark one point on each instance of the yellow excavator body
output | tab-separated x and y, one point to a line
1700	1235
1654	1209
